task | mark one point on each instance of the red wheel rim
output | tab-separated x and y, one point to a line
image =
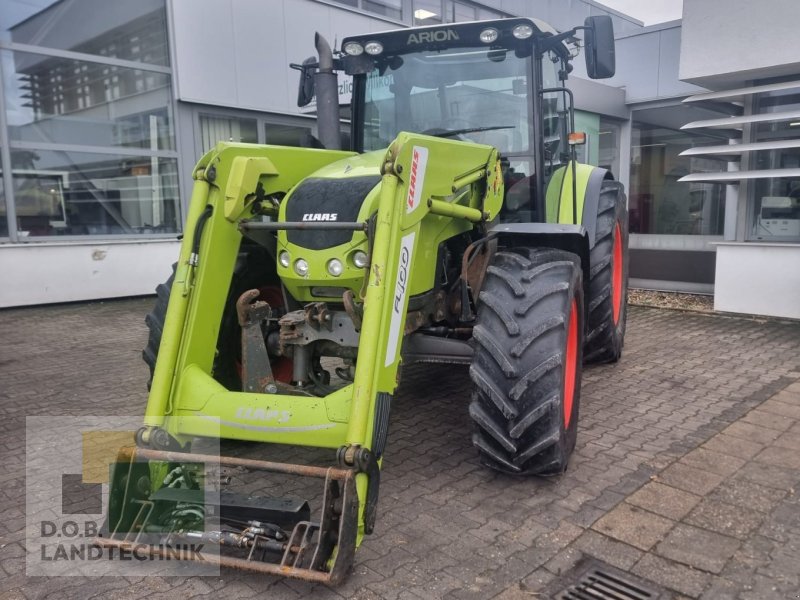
571	366
616	274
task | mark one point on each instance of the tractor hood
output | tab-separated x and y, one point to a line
335	193
345	191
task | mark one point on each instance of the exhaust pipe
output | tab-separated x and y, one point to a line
326	86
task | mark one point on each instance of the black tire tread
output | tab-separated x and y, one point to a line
155	323
517	372
604	341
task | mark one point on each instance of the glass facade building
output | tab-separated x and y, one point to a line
88	127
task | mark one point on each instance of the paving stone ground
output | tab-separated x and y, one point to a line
686	472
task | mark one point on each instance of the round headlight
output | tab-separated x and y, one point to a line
284	259
335	267
489	35
301	267
522	31
360	259
373	48
353	48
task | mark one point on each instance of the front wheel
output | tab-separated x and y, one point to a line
526	371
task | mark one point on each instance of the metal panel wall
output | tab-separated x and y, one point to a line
727	42
237	53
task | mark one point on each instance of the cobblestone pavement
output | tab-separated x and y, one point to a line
686	472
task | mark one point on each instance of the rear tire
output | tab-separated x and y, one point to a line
250	273
526	371
155	323
608	278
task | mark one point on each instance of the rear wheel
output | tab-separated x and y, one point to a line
526	371
249	274
155	323
608	279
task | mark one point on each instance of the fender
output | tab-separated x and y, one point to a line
570	238
588	181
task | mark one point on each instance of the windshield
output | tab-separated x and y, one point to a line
471	94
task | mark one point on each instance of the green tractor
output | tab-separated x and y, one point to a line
458	228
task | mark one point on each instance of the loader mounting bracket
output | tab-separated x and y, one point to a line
362	460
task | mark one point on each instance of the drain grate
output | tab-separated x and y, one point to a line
595	580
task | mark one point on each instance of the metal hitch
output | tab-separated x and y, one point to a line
265	535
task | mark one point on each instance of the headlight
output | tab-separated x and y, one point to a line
373	48
284	259
360	259
522	31
489	35
335	267
301	267
353	48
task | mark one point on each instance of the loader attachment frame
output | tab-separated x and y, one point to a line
461	182
306	554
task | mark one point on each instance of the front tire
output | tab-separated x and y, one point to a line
526	371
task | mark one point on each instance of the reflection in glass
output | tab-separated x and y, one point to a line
134	31
479	91
66	101
77	193
427	12
388	8
608	147
776	203
777	207
287	135
659	202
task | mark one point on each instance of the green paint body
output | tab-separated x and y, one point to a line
187	401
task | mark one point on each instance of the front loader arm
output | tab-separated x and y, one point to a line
421	176
226	179
423	180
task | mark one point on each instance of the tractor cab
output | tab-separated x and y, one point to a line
499	83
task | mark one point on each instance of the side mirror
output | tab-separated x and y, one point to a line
305	88
600	54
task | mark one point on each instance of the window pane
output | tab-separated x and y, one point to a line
484	14
287	135
609	146
463	12
215	129
3	213
388	8
69	101
776	206
78	193
659	202
127	30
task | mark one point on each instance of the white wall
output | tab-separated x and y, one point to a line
68	271
647	64
727	42
761	279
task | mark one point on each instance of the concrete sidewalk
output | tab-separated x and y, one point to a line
686	473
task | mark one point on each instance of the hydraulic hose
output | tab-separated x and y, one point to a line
198	233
